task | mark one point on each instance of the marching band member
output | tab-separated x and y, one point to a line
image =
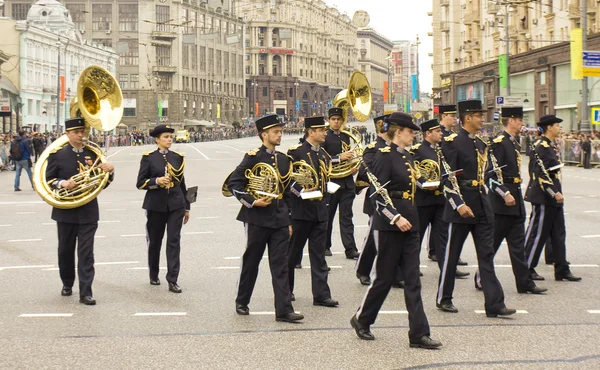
395	225
76	226
336	145
504	179
545	195
309	216
267	222
166	204
468	210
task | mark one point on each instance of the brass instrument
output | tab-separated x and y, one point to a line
305	175
429	169
358	98
264	181
100	102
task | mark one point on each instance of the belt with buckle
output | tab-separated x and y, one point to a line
437	192
472	183
401	195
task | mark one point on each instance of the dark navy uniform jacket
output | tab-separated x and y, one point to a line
424	198
275	215
507	152
469	153
542	190
310	209
368	158
64	164
159	198
395	166
333	146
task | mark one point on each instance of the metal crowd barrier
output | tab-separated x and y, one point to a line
571	152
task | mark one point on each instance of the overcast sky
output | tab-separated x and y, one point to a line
399	20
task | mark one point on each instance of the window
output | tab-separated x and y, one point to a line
124	81
164	84
211	60
265	91
185	56
128	17
291	92
77	15
219	61
19	11
105	42
163	55
131	56
247	42
542	78
128	112
162	17
101	17
134	80
194	56
202	58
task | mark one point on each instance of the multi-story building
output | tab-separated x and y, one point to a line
299	54
404	72
181	62
375	62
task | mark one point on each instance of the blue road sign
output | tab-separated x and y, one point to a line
314	106
591	58
595	116
496	116
499	100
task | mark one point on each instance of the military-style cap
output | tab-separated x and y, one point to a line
430	125
315	122
161	129
74	123
447	109
400	119
266	122
335	111
470	106
381	118
549	119
512	112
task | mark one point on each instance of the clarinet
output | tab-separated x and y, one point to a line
379	189
495	167
548	179
451	174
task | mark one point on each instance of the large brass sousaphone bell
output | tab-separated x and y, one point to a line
100	102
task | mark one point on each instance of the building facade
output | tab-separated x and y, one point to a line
376	63
181	61
404	67
299	55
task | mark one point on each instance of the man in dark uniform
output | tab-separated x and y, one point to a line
266	221
504	180
364	265
165	202
309	210
75	225
586	149
468	210
544	192
337	145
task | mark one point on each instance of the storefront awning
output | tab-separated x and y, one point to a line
7	85
194	122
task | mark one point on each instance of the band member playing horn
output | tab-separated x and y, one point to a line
504	180
259	183
364	265
337	144
545	195
166	204
468	210
309	209
395	225
76	226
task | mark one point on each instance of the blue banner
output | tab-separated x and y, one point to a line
297	105
415	87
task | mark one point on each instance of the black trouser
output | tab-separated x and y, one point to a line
483	236
68	236
433	216
364	265
513	229
315	233
344	197
548	251
155	230
277	240
395	249
547	221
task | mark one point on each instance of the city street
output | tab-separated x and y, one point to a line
136	325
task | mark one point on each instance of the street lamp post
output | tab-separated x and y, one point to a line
418	87
255	86
585	120
157	79
296	103
58	45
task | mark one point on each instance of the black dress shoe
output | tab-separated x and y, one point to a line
242	310
174	287
298	266
568	276
477	287
329	302
155	281
534	290
66	291
363	332
352	255
290	317
17	189
503	312
447	307
328	268
433	257
461	274
87	300
426	342
398	284
328	253
535	276
293	297
462	263
364	280
420	273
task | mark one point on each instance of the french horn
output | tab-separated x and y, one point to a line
100	102
305	175
263	181
429	169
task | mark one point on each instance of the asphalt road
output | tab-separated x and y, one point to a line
135	325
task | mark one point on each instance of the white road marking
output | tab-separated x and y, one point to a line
231	147
584	265
109	222
26	213
46	315
199	232
577	197
262	313
48	223
335	267
477	266
518	311
360	226
116	209
591	236
160	314
54	269
116	263
208	218
198	150
132	235
24	267
594	311
234	258
226	268
25	240
144	268
99	236
223	152
401	312
594	211
5	225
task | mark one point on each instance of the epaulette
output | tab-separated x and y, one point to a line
372	145
415	147
386	149
450	137
499	139
182	155
294	147
253	151
545	144
145	154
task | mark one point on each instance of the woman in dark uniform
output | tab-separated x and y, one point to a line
166	204
396	234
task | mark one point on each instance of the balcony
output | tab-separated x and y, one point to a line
445	26
493	8
164	35
164	69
